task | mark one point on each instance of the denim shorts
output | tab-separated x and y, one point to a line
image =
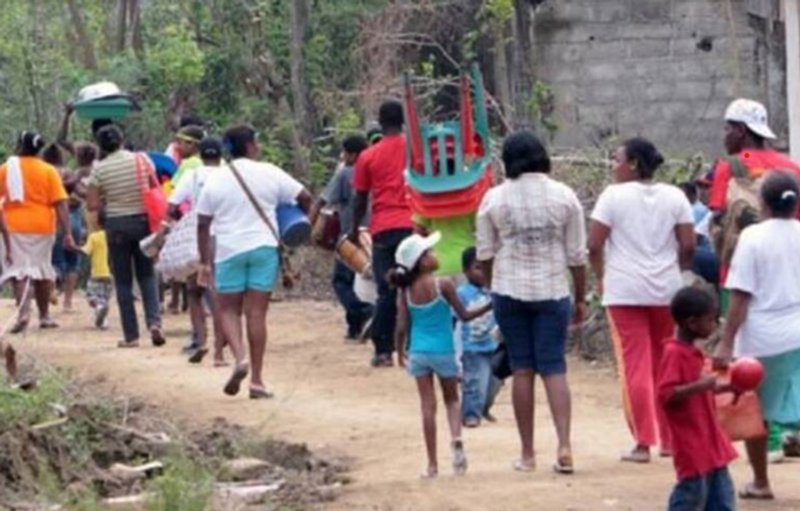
710	492
254	270
443	365
535	333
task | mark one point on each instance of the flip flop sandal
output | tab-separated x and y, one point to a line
635	457
750	492
429	473
525	466
235	381
19	327
198	356
221	363
48	323
260	393
564	465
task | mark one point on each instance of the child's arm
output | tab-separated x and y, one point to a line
681	392
449	293
401	330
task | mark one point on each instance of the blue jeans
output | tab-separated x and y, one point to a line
384	245
711	492
476	384
124	234
356	311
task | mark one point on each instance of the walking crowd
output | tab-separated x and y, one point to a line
470	298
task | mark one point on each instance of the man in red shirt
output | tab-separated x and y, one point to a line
380	173
701	450
746	133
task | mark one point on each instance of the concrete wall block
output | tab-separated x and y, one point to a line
650	10
692	9
603	71
561	53
599	51
649	48
610	10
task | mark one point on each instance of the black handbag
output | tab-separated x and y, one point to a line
501	367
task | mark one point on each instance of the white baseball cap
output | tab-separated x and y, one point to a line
411	249
752	114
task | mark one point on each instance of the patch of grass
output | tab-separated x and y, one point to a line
186	485
28	408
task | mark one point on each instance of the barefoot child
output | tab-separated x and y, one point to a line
100	286
701	450
425	327
478	385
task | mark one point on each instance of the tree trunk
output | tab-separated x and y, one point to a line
134	15
85	43
500	67
302	109
122	25
521	70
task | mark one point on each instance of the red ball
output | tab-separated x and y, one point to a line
747	373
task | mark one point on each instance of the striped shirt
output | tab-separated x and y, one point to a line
533	227
115	178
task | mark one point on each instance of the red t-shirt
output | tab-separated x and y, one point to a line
380	171
699	444
757	162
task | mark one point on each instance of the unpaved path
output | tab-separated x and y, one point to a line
328	397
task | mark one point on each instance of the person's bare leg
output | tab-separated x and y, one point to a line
196	312
427	400
558	396
453	407
230	312
42	290
10	355
757	455
219	335
176	289
256	304
522	398
68	287
22	297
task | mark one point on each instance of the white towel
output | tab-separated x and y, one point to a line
14	183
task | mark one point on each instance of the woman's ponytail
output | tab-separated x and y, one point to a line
780	193
29	143
400	278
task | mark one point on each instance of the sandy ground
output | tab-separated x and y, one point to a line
328	397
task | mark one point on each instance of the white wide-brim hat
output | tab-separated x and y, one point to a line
411	249
752	114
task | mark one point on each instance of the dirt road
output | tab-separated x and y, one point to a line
328	397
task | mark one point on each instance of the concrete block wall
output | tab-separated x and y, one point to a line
664	69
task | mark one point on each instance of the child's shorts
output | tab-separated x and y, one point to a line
254	270
443	365
711	491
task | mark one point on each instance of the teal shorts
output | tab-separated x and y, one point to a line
254	270
780	390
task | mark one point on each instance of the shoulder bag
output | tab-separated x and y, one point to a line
153	197
288	276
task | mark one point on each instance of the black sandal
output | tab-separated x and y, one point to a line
235	381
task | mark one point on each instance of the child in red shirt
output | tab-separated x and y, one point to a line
701	450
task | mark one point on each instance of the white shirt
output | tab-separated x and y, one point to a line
237	226
533	228
766	266
190	186
641	255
